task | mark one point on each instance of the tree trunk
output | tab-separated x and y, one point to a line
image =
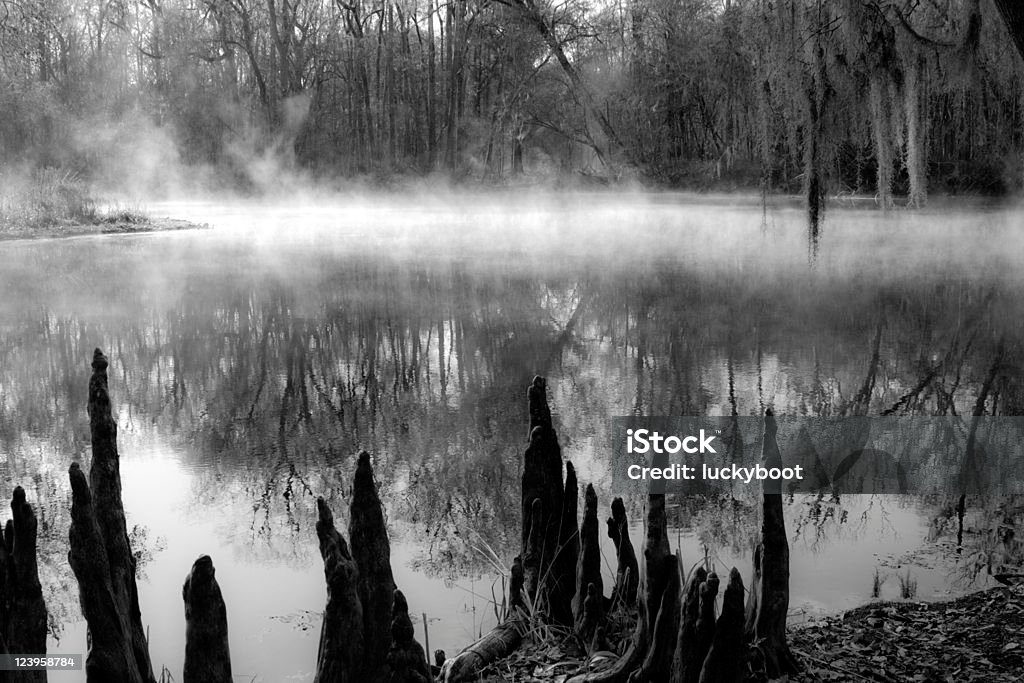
533	14
207	657
1013	16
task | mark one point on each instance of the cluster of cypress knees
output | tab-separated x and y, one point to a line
367	634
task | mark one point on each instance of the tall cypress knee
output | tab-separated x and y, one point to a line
340	657
101	555
371	551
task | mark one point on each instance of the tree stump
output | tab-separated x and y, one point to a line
207	656
340	656
101	555
371	551
22	609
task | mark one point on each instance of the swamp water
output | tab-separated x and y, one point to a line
250	363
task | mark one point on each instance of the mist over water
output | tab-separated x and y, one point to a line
250	362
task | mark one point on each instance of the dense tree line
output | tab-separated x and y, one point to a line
885	96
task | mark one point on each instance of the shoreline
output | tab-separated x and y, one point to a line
66	230
974	636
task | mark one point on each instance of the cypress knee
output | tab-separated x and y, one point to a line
406	658
626	572
588	572
371	551
207	656
22	609
101	555
340	655
724	663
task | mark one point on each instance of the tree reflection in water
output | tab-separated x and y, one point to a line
268	380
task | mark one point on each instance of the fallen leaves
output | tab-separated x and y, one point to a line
971	640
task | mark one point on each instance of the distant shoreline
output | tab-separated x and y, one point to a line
74	229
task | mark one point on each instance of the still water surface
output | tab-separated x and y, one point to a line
250	362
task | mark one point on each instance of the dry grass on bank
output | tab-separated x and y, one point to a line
56	203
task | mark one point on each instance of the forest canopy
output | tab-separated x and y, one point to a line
885	97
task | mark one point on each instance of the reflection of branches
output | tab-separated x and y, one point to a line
986	543
270	392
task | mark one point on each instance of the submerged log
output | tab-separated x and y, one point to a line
498	643
22	609
207	656
588	571
407	660
371	551
768	614
627	571
340	655
101	555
